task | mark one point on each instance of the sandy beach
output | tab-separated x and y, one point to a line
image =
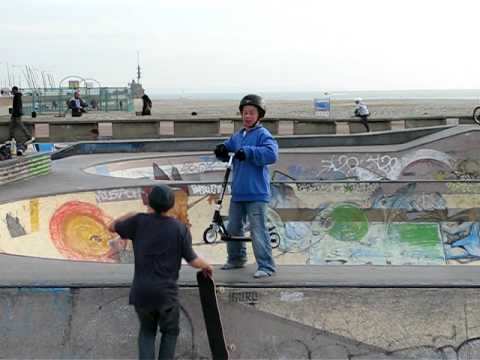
304	108
183	107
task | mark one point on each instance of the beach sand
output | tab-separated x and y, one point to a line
183	108
304	108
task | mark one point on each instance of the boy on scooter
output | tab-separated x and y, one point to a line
254	149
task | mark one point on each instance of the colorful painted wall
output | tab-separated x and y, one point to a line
318	223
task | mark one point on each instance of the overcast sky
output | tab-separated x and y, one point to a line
249	45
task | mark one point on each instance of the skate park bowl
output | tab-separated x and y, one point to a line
352	223
375	243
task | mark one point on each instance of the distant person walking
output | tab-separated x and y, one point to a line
160	242
362	112
16	118
147	105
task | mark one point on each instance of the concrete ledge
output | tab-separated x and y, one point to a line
285	127
342	128
397	125
209	143
76	130
453	121
226	127
105	129
42	130
166	128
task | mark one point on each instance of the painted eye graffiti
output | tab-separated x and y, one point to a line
79	231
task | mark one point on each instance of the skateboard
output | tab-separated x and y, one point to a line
211	314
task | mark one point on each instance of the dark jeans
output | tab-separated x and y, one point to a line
166	318
16	122
364	121
77	112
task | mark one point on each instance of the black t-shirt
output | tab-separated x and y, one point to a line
159	244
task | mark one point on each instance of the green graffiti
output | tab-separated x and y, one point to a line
418	235
347	222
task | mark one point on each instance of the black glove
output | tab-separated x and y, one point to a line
240	155
221	152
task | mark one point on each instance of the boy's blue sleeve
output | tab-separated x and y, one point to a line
230	144
265	153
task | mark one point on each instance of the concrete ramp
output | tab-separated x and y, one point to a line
451	154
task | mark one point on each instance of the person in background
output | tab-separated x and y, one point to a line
160	242
254	149
77	105
16	118
362	112
147	105
94	104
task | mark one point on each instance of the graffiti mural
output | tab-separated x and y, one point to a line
318	223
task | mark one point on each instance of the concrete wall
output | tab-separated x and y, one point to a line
207	144
276	323
62	130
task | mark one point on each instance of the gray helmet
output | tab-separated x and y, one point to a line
161	198
256	101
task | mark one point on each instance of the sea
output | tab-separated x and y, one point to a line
452	94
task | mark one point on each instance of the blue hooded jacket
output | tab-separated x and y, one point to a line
251	179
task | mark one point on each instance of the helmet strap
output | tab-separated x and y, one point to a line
254	124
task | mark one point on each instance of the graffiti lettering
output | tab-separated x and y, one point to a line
201	167
118	195
343	187
207	189
249	297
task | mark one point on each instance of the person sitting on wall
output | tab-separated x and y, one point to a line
77	104
361	111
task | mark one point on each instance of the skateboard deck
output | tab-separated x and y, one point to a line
211	314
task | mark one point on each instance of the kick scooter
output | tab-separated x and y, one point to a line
217	227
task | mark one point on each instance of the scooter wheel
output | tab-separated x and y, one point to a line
210	235
274	240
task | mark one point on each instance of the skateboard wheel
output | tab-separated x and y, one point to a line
220	290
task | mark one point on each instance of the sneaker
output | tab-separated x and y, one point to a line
30	141
231	266
261	274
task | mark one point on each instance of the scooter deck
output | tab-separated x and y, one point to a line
235	238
